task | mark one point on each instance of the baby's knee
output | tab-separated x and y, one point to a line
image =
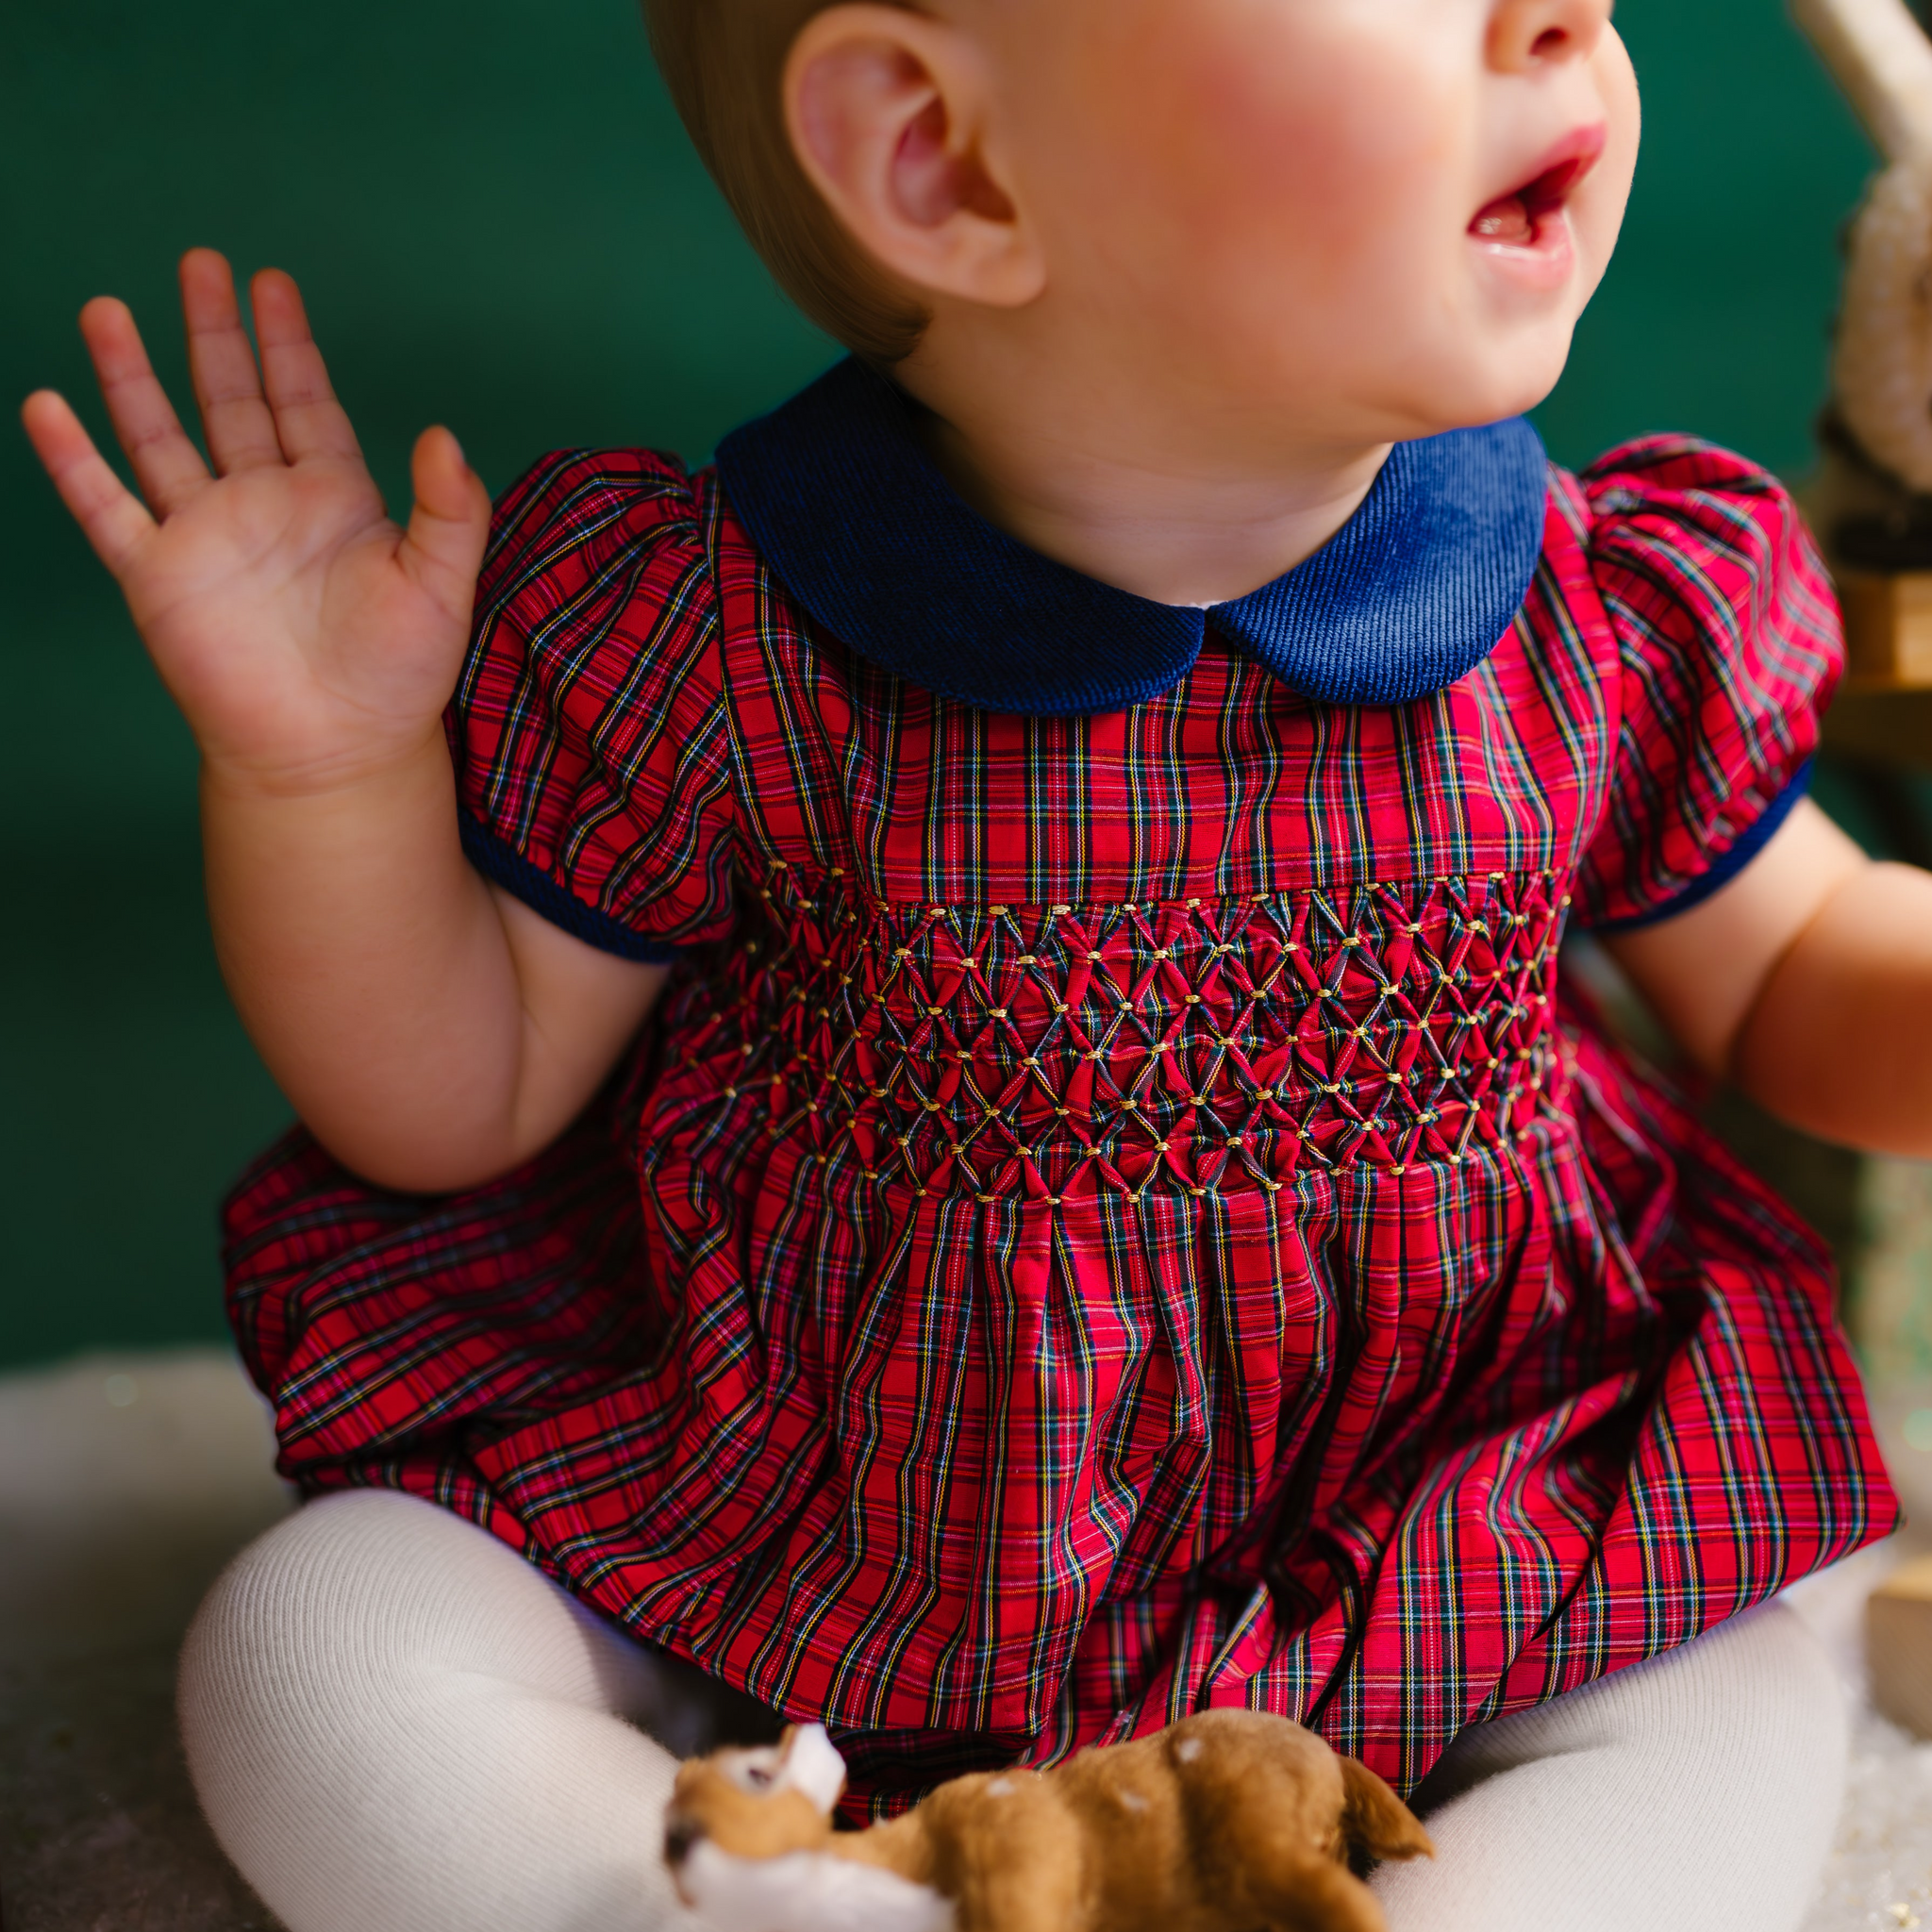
1699	1789
1808	1729
343	1621
1750	1697
395	1723
1756	1697
306	1650
292	1670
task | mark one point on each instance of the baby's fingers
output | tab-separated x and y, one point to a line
166	466
450	524
240	431
103	505
309	419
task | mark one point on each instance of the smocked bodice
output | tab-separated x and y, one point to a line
1192	1045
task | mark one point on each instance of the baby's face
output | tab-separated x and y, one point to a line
1364	218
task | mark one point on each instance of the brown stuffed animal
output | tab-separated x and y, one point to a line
1228	1822
1882	357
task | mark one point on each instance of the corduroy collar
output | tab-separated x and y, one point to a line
1414	591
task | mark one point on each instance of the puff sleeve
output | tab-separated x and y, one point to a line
589	729
1728	649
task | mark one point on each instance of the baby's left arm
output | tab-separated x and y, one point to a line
1807	980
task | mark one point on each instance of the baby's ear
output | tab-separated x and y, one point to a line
891	114
810	1763
1375	1821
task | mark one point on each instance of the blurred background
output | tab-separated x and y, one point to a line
498	225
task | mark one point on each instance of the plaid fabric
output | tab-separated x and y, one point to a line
1114	1215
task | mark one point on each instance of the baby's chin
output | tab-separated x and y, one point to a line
1468	357
1502	373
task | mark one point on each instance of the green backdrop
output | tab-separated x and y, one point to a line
498	225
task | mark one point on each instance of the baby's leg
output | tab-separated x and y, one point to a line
396	1724
1697	1791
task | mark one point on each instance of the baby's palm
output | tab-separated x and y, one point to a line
304	634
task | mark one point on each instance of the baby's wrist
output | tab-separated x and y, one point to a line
380	772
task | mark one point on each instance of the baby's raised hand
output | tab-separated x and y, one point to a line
308	639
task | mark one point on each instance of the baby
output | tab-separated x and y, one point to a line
937	1098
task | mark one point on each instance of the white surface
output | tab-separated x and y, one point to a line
1880	1874
115	1512
125	1483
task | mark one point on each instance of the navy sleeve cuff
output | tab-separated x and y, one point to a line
1723	871
510	869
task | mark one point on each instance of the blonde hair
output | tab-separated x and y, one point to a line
723	61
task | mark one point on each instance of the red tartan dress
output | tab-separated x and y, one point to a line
1114	1213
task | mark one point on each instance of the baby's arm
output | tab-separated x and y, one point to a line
1808	979
430	1029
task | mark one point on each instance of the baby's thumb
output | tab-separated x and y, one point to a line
444	547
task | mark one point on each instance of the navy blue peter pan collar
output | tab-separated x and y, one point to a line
1415	590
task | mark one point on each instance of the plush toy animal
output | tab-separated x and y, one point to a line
1882	361
1227	1821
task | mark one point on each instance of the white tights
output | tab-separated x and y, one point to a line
396	1724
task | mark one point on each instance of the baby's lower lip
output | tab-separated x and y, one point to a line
1539	266
1531	228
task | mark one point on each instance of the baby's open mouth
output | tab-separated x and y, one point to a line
1523	217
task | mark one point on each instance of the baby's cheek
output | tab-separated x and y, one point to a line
1292	150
